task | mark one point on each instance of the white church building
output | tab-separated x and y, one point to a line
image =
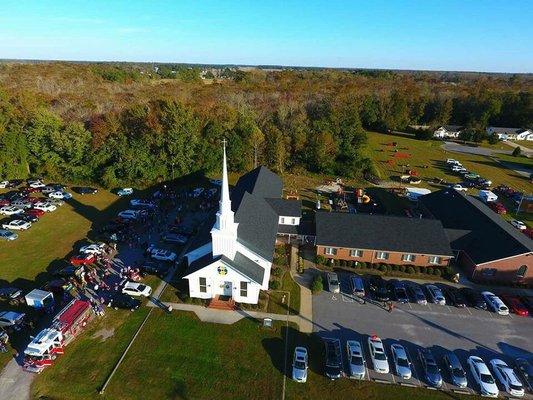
231	257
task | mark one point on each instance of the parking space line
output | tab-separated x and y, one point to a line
468	309
410	306
429	307
449	309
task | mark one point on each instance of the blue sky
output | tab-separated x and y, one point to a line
469	35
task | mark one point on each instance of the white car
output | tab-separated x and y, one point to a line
17	225
36	184
377	355
299	365
125	191
11	210
401	362
4	184
129	214
44	206
507	378
162	254
136	289
483	377
495	303
95	248
60	195
451	161
459	187
518	224
141	203
356	360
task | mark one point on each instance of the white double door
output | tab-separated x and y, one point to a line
225	288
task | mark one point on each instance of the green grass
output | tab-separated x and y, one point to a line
278	301
521	161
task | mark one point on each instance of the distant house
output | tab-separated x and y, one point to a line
510	133
488	248
383	239
448	131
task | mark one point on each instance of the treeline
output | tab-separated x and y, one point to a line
108	126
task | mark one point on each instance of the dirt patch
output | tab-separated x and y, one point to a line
104	334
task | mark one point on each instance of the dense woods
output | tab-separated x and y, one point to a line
119	124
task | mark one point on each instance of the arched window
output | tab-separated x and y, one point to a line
521	271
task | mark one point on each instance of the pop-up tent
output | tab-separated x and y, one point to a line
39	299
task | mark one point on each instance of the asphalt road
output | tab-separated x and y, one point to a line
465	331
480	151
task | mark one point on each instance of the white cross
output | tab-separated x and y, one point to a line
224	142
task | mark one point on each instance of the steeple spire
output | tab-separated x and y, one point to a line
225	203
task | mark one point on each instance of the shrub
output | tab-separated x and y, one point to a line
336	262
401	268
517	151
317	285
275	285
395	267
437	272
321	260
418	269
383	268
411	270
362	264
374	266
429	270
343	263
277	271
352	264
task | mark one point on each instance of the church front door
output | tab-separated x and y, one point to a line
227	290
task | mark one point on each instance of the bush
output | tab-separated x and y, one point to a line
411	270
352	264
336	262
317	285
343	263
383	268
401	268
275	285
395	268
374	266
517	152
321	260
437	272
418	270
429	270
277	271
362	264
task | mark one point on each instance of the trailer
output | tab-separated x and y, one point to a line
72	319
40	299
43	350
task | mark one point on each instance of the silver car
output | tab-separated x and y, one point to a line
455	369
356	359
333	282
401	362
299	365
8	235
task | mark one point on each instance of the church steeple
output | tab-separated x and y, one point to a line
224	232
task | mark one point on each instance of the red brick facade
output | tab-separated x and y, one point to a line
394	258
506	271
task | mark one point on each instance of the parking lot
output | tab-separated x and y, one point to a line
465	331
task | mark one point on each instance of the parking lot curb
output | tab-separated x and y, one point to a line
407	384
461	391
377	380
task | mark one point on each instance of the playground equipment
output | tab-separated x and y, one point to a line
361	197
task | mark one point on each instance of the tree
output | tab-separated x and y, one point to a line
517	152
493	139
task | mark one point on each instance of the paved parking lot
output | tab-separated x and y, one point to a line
466	331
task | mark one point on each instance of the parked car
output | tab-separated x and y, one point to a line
129	214
299	365
11	210
125	191
94	248
11	319
142	203
36	184
333	356
515	305
45	206
528	302
474	298
507	378
60	195
453	296
357	285
435	295
495	303
378	288
22	203
333	282
154	268
175	238
455	369
83	259
48	189
497	207
69	271
518	224
402	365
8	235
124	301
483	377
377	355
83	190
524	368
35	212
137	289
431	370
161	254
27	217
397	289
416	293
356	359
4	184
17	225
459	187
11	294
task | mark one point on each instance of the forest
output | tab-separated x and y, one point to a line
118	124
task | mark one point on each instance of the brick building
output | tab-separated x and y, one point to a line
382	239
488	248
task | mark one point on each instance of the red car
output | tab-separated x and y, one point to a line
515	305
30	190
33	200
35	213
528	232
4	202
83	259
497	207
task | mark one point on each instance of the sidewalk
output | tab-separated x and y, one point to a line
306	299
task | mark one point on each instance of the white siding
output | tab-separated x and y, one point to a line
283	220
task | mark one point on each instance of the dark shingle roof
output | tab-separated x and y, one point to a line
486	236
201	262
260	182
499	129
453	128
380	232
247	267
287	208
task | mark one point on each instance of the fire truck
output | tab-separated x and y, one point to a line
50	342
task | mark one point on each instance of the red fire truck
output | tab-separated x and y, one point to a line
71	320
43	350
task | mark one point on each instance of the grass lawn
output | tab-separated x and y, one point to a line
24	261
521	161
277	302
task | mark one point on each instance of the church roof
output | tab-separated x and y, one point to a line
260	182
286	208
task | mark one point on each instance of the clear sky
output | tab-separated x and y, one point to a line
474	35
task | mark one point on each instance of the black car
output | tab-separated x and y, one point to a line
124	302
154	268
85	190
416	293
398	291
332	349
474	298
378	288
16	182
27	217
453	296
431	370
182	230
11	294
69	271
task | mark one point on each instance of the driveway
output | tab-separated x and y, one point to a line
465	331
479	151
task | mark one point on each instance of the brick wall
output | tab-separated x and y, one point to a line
369	256
503	271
